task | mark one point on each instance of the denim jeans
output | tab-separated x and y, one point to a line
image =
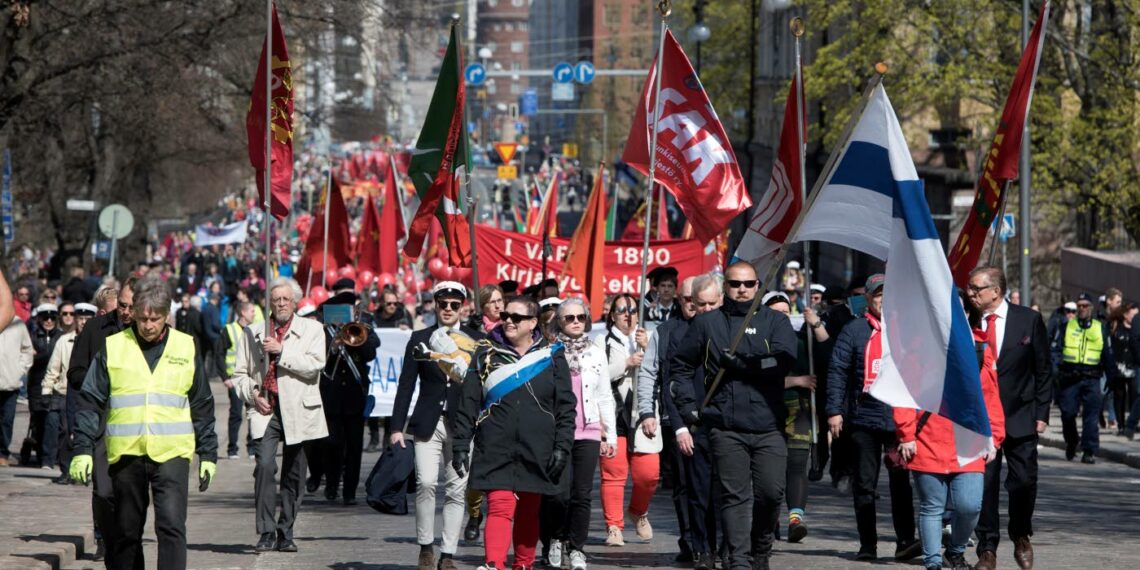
965	491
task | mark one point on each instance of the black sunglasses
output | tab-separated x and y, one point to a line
515	318
578	318
391	303
623	310
450	305
68	313
49	316
748	283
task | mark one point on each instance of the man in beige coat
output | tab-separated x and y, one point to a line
279	375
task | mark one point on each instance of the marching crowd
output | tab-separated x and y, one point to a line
522	401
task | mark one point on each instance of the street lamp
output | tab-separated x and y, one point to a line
484	54
699	33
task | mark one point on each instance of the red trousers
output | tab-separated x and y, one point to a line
503	508
645	468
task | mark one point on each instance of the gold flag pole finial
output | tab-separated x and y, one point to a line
797	26
881	68
455	18
665	7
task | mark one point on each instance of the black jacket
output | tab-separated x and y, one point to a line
845	378
391	479
750	401
341	393
43	342
669	335
435	389
515	440
92	340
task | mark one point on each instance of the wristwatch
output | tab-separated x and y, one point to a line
817	324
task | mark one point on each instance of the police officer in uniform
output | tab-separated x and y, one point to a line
1083	357
159	413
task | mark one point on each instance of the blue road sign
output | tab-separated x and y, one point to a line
528	102
519	127
475	74
563	73
102	249
584	72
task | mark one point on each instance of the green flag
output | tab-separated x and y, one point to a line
432	143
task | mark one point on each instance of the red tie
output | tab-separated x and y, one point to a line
991	332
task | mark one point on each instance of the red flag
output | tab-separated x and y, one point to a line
281	111
368	243
392	228
698	165
546	216
312	260
778	209
662	222
635	228
586	255
1001	163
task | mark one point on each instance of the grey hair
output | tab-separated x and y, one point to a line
286	282
585	308
152	293
707	280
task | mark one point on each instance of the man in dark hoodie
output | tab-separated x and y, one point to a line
745	414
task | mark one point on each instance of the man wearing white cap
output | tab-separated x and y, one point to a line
432	426
45	331
55	392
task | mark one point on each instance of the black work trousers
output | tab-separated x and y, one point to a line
343	449
675	479
292	490
867	446
1020	455
233	423
796	486
135	479
103	497
566	516
751	476
703	496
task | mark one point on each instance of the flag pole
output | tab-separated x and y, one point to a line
664	9
842	144
325	245
268	180
797	28
472	203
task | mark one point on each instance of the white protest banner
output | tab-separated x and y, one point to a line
384	372
221	235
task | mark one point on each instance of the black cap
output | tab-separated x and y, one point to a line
509	287
659	274
344	283
531	291
1084	297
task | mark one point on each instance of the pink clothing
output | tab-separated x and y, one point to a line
583	430
645	469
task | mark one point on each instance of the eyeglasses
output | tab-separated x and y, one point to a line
450	305
977	288
623	310
1083	305
391	303
515	318
125	306
52	297
48	316
746	283
578	318
67	313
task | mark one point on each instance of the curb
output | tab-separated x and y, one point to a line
1114	455
48	550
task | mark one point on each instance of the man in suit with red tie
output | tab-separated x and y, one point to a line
1018	337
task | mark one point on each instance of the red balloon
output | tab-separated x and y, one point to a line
352	243
385	279
318	294
348	271
437	268
365	278
424	285
461	274
409	279
409	298
331	278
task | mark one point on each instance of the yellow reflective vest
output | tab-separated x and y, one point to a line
234	331
149	412
1083	346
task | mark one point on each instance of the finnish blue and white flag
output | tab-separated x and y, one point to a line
874	202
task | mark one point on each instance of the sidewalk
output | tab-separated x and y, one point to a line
1113	447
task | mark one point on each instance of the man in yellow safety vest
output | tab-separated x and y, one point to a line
159	412
226	352
1083	357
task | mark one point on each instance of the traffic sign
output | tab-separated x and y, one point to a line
584	72
563	73
116	221
506	150
508	172
475	74
528	102
101	249
570	150
520	126
1008	228
81	205
562	92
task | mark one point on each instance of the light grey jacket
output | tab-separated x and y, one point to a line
16	346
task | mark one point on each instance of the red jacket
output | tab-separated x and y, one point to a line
936	450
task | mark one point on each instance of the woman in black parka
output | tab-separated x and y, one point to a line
518	406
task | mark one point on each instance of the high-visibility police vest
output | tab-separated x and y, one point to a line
1083	346
149	412
234	330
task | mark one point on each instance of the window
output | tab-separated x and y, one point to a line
509	27
515	88
516	66
611	14
639	15
517	3
522	26
491	87
497	27
517	47
492	3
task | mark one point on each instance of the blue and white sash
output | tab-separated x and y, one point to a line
509	377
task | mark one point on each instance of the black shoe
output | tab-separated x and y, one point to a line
797	530
266	543
372	448
100	550
685	556
312	484
956	562
64	479
471	531
349	501
815	475
866	555
286	545
908	550
1070	451
330	493
1088	458
704	562
760	563
1130	433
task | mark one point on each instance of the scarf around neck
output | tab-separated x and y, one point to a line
873	356
575	348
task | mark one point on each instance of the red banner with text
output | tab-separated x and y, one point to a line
513	256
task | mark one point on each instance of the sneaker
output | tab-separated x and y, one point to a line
447	564
843	485
956	562
946	534
1088	458
426	560
554	555
908	550
577	560
797	530
3	461
233	456
614	537
487	566
704	562
642	526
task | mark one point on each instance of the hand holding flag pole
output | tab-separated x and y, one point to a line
664	7
268	151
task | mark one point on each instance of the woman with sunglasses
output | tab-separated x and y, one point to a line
66	317
519	408
565	520
45	332
624	345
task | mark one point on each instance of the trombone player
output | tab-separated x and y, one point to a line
344	389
